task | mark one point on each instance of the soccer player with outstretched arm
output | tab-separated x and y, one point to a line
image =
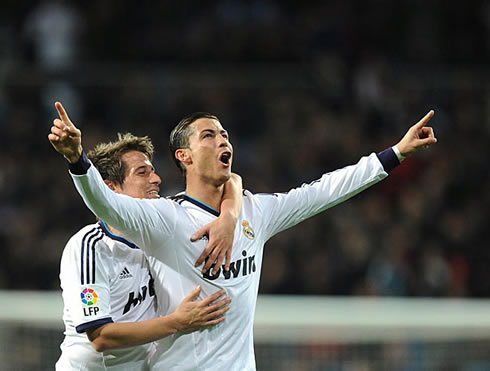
203	151
111	312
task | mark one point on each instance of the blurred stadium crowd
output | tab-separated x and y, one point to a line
302	89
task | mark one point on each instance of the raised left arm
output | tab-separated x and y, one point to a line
284	210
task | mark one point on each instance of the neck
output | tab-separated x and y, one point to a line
207	193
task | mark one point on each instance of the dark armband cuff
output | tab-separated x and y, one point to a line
81	166
93	324
388	159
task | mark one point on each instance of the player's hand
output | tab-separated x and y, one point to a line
417	136
192	315
220	233
65	137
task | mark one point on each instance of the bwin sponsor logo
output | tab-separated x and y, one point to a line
238	267
135	300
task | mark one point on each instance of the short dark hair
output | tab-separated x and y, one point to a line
179	137
106	157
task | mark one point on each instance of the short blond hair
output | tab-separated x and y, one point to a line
106	157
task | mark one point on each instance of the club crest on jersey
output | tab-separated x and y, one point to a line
248	231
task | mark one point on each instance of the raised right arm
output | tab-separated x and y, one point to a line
145	222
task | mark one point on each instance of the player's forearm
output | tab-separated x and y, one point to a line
340	185
231	204
293	207
123	335
104	203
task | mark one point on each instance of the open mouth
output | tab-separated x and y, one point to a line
225	158
154	194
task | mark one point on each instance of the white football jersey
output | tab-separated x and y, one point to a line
105	278
163	228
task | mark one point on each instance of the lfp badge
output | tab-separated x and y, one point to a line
248	231
89	296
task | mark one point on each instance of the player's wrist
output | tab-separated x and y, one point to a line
74	157
81	166
398	153
174	322
229	215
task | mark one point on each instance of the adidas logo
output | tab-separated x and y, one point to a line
125	274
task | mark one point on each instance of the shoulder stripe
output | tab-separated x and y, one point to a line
85	253
115	237
177	198
82	253
93	257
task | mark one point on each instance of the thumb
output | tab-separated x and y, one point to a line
71	131
199	234
427	141
194	294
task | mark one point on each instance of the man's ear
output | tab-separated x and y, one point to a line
183	155
110	184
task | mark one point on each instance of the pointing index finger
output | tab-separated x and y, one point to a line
425	119
63	115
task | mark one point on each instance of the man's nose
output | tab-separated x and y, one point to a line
155	178
223	141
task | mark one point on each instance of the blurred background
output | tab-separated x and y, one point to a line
302	89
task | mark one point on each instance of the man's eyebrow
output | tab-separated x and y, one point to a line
213	131
142	167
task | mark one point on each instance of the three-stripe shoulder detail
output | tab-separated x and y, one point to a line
87	255
177	198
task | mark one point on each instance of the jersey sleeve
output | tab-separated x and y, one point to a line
85	280
145	222
283	210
